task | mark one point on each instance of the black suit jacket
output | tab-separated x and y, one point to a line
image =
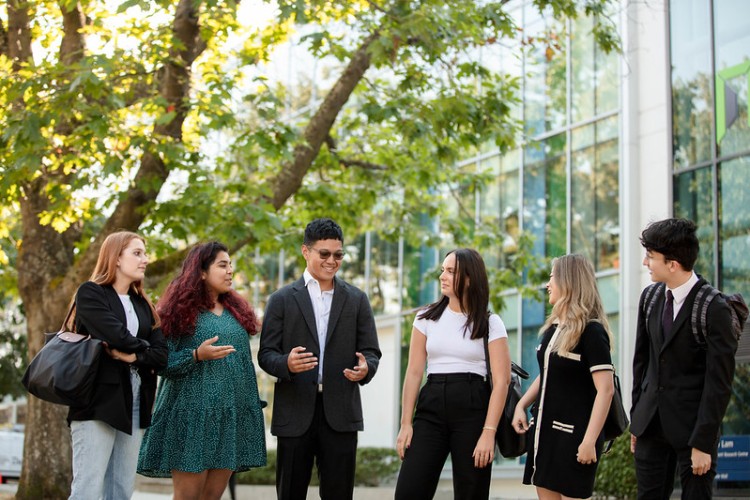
289	321
687	384
99	313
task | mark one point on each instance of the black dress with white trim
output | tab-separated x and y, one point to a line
562	411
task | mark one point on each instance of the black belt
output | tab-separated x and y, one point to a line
455	377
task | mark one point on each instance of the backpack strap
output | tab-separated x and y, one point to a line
652	294
699	313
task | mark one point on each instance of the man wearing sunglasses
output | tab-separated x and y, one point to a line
319	340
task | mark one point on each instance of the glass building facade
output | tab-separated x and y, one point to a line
710	60
593	166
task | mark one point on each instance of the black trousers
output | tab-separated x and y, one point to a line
656	462
335	454
451	411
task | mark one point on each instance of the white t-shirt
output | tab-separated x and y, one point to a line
132	317
450	348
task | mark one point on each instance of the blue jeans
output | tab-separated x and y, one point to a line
105	459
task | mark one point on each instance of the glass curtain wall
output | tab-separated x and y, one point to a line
710	59
560	186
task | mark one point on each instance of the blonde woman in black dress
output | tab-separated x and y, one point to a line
574	388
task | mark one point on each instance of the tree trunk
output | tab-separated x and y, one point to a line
47	273
43	257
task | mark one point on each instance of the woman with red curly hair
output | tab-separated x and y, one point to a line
207	419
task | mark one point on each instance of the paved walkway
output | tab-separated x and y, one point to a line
162	490
502	489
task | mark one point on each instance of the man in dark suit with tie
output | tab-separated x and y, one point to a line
319	340
681	388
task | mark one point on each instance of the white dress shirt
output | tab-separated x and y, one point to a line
321	302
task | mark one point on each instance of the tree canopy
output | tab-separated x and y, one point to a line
164	117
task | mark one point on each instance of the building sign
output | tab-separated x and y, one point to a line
727	100
734	459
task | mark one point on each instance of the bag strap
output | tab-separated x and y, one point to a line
651	296
486	341
514	368
617	392
699	314
67	318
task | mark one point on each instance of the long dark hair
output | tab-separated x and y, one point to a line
186	296
474	295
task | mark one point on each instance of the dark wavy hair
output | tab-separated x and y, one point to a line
474	296
675	239
322	229
186	296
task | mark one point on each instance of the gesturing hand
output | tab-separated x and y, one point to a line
301	361
360	371
207	351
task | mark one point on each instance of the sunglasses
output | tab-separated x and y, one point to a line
325	254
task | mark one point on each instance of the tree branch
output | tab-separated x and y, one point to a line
331	145
3	39
73	43
153	172
19	33
289	180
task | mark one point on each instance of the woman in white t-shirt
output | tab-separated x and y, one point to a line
457	412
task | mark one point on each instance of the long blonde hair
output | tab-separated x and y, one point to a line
579	302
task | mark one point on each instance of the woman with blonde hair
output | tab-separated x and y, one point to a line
574	388
107	432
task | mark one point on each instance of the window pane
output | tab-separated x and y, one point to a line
735	226
609	290
693	192
692	117
509	315
595	227
544	196
384	292
499	205
544	88
533	315
420	277
733	71
582	71
607	80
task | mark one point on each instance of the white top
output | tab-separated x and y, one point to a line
680	294
130	314
321	302
450	348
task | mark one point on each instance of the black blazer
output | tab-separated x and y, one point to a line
689	385
289	321
99	313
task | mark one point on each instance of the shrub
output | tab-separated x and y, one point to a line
262	475
615	476
375	466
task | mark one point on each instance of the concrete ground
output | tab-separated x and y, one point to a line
160	489
502	489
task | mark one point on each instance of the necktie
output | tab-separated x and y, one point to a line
668	317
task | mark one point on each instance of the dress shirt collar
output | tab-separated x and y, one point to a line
681	292
309	278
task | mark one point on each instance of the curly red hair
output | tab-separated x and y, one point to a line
186	296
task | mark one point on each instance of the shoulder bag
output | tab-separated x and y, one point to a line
510	444
617	418
64	370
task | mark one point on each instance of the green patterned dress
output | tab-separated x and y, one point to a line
207	414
